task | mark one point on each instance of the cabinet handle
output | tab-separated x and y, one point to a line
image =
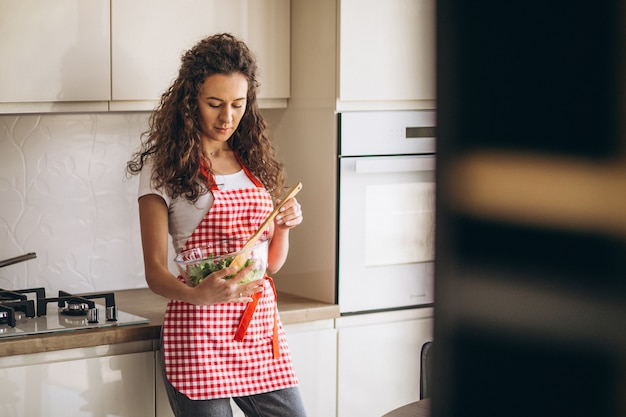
388	165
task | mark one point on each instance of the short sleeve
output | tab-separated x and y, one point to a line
146	185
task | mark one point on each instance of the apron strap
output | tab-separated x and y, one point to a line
204	170
254	179
244	322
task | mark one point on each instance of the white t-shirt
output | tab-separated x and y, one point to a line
183	215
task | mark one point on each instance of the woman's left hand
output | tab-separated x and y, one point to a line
290	215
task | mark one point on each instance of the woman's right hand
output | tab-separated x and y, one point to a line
214	289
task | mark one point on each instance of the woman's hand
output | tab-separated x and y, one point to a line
214	289
290	215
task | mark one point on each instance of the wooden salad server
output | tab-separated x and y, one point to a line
241	259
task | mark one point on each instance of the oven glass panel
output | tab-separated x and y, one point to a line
399	223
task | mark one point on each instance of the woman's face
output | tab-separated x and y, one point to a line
221	104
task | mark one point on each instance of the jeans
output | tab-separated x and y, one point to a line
280	403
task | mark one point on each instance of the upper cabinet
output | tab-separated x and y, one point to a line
149	37
54	54
100	55
386	54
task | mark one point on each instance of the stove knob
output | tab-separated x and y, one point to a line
92	315
112	313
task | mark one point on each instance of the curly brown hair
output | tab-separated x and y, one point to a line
173	136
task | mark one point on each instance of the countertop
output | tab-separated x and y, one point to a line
143	302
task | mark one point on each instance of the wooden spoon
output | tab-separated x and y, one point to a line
241	259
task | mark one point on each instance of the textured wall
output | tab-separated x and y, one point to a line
64	195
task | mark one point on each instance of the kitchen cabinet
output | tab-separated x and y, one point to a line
54	53
162	405
120	55
386	54
313	347
146	52
111	380
379	360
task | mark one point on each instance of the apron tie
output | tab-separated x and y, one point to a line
244	322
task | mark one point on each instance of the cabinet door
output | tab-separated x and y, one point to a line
54	51
379	361
119	385
386	50
313	348
150	36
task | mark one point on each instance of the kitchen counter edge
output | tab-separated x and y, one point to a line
143	302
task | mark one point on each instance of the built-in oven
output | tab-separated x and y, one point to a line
386	210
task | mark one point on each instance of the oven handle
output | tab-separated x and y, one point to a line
381	165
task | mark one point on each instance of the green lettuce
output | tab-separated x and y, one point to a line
200	271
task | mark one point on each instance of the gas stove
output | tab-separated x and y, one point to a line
29	311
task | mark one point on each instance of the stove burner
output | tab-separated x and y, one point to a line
19	306
7	316
14	303
75	308
78	305
109	299
23	312
78	308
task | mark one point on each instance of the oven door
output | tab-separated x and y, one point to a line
386	232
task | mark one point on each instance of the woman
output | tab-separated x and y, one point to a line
208	173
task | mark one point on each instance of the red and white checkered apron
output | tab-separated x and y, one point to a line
202	358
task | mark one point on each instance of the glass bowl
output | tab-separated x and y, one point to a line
197	263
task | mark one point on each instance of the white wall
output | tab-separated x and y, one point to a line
64	195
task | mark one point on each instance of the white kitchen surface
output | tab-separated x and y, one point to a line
64	195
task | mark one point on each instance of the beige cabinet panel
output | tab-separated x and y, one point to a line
150	36
386	50
313	348
54	51
115	385
100	55
379	360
